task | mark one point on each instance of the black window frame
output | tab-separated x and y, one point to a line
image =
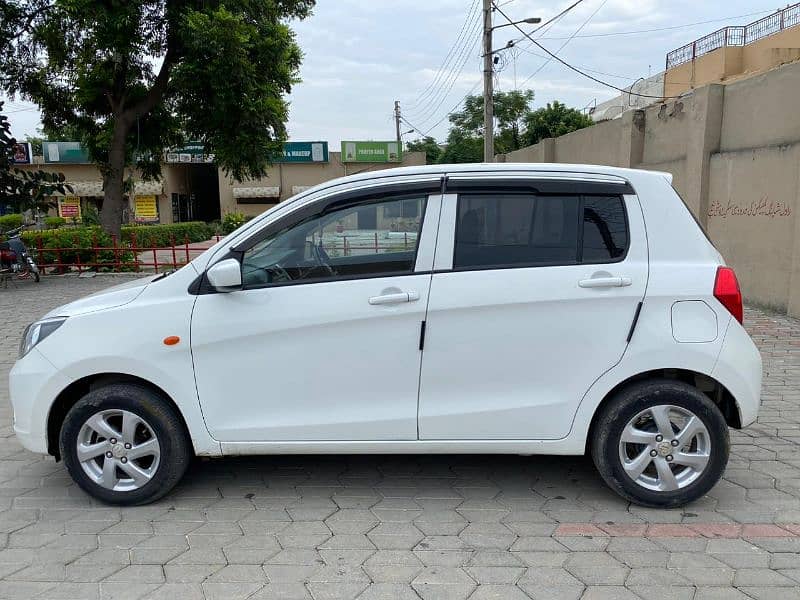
335	204
563	193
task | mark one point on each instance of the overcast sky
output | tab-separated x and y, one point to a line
362	55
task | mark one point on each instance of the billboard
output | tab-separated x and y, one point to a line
145	209
65	152
371	152
304	152
22	153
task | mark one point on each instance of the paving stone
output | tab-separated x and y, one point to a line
297	527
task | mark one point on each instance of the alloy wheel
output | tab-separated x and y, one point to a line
118	450
665	448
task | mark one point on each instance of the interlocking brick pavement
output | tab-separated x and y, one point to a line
430	527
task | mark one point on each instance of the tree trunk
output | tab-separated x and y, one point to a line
113	181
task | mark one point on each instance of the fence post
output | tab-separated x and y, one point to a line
77	243
39	253
174	257
405	241
135	253
96	255
186	246
116	251
376	242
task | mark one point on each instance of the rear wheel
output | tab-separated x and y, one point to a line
124	444
661	443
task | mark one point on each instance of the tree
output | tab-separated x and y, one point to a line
23	189
465	140
132	78
553	121
429	146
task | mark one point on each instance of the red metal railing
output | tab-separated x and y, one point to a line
116	257
736	36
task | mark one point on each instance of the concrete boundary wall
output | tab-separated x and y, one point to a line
734	153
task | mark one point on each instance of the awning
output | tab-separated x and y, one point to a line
256	192
299	189
95	188
82	188
148	188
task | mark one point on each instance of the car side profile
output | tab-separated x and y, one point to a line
496	308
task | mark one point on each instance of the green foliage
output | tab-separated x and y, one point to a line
517	125
74	246
54	222
162	236
22	189
129	79
232	222
553	121
9	222
427	145
90	216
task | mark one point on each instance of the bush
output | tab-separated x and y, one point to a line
90	216
76	247
54	222
232	221
161	236
9	222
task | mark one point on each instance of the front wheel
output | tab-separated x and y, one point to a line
661	443
124	444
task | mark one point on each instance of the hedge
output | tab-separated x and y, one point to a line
77	242
9	222
76	246
161	236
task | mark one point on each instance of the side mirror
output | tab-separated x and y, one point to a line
226	275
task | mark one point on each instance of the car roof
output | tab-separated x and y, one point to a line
564	170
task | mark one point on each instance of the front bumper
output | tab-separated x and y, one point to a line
34	384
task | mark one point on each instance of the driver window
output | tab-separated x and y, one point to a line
368	240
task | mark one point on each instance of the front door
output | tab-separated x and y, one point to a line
535	303
322	342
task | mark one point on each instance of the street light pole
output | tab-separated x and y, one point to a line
488	84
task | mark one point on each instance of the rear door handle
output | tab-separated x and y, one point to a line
605	282
397	298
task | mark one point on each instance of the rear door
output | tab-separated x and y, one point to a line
534	293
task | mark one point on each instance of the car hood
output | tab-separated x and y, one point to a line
109	298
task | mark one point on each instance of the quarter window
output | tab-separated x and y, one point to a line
605	229
367	240
508	230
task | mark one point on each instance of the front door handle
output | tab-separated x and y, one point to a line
605	282
396	298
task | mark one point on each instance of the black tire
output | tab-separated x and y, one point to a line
173	440
636	398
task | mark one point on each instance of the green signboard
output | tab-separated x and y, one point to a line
304	152
64	152
372	152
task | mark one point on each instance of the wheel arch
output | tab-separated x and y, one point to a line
80	387
710	386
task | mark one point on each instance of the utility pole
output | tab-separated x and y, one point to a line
397	119
488	84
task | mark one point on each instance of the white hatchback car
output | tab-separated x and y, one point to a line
529	309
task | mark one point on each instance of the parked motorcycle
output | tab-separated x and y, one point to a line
15	258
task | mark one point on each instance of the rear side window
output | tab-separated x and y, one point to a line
516	230
605	229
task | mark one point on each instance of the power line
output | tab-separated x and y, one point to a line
577	31
452	81
466	25
572	68
452	110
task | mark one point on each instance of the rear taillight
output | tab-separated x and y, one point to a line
726	290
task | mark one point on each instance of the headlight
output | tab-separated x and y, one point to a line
36	332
